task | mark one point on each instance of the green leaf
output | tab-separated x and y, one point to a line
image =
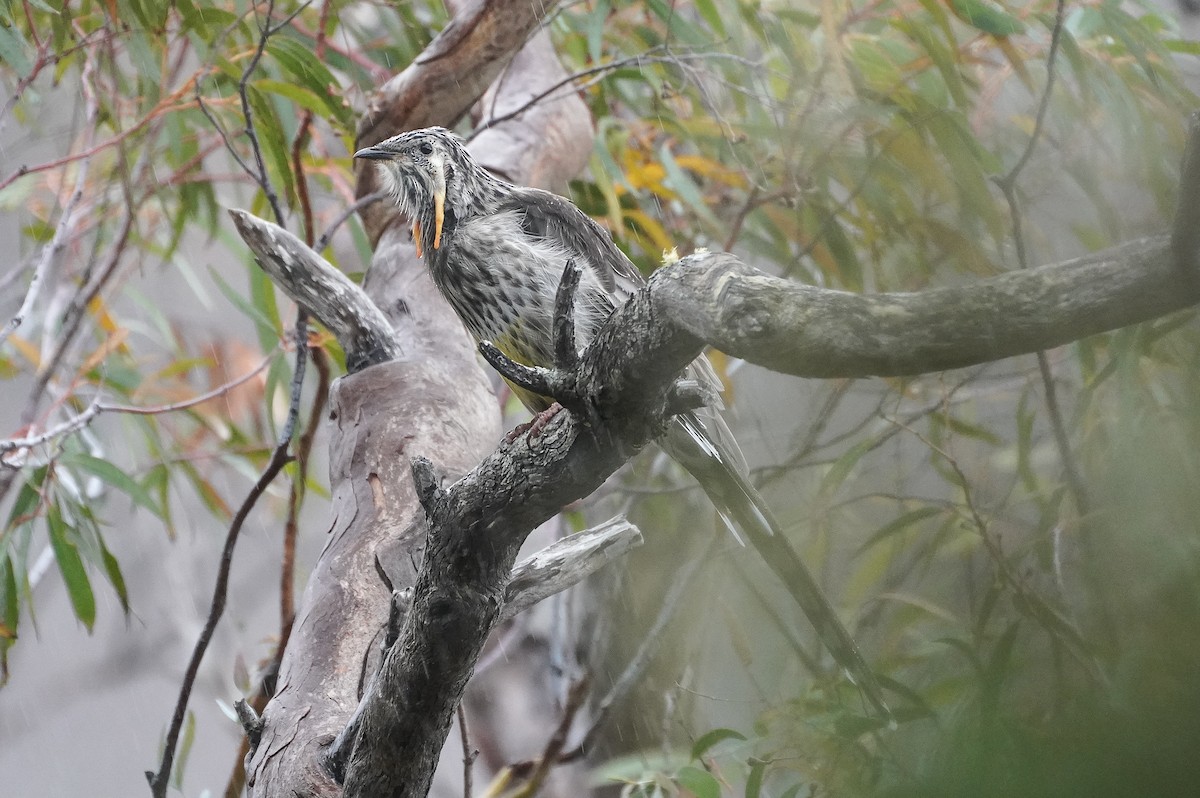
208	494
257	315
943	58
271	139
28	497
709	739
998	662
10	613
842	467
300	95
112	569
851	726
899	524
708	10
758	769
14	50
70	564
148	62
10	608
987	16
845	254
699	782
111	475
969	430
185	749
681	183
299	61
262	296
594	29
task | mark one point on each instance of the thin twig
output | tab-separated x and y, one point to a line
536	772
212	120
298	143
158	781
363	202
161	109
96	408
260	172
1008	186
601	70
279	458
66	220
75	315
680	582
1044	102
468	754
57	431
1056	626
199	399
287	569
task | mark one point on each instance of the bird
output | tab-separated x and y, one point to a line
497	252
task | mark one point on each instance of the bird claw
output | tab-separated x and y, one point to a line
533	428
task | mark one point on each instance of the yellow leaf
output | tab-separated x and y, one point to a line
27	350
649	227
100	311
114	341
647	175
713	170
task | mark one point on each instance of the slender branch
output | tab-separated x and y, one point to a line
298	144
199	399
601	71
567	562
158	780
1044	102
216	124
291	527
539	769
97	407
279	458
1008	186
75	314
73	424
468	753
340	219
681	580
1054	624
260	171
55	245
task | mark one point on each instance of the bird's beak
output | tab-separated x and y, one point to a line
373	154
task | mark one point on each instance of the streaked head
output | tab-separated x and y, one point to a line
425	170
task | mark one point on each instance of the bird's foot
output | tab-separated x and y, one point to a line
534	426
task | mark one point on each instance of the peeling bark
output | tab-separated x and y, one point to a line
435	401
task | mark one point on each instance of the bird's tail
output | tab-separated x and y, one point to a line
708	451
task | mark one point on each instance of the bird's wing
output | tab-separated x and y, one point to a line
556	220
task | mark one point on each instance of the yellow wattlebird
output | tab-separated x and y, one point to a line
497	253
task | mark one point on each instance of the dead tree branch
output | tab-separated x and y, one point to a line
434	400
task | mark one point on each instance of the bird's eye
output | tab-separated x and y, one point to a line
426	148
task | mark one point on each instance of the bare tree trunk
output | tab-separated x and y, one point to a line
434	400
